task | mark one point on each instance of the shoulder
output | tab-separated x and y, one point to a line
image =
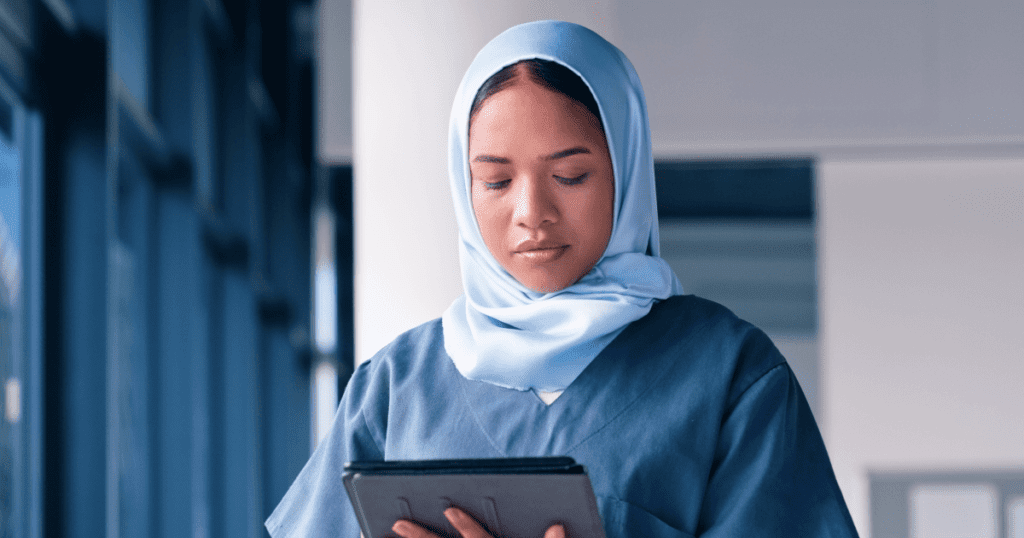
711	339
408	362
700	322
411	351
697	313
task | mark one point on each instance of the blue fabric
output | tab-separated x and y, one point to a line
690	423
506	334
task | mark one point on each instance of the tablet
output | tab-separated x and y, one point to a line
511	497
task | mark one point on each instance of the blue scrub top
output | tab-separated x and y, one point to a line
690	423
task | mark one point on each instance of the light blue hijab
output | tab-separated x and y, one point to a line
500	331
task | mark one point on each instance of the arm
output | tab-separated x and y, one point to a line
316	505
771	475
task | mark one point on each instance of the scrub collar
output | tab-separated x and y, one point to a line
503	333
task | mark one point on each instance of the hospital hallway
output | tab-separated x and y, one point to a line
213	211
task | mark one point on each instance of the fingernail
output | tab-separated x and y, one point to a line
453	513
400	527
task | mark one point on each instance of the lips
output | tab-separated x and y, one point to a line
540	251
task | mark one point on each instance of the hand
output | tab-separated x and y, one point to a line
464	523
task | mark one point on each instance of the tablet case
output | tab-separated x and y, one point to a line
512	498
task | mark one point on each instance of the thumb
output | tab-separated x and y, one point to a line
555	531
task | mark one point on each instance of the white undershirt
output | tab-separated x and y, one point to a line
548	397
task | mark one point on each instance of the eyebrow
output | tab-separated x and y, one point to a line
566	153
554	156
490	159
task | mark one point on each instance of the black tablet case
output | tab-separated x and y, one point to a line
512	498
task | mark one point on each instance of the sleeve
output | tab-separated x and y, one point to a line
316	505
771	475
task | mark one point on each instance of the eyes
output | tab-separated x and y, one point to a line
567	181
572	180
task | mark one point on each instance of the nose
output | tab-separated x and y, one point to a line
535	205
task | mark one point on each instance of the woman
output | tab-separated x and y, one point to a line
573	336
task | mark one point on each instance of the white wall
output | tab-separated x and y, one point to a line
739	76
922	317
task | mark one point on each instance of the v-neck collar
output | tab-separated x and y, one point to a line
518	424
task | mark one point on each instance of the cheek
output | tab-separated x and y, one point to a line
488	220
600	215
599	209
599	212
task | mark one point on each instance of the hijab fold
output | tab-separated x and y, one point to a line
503	333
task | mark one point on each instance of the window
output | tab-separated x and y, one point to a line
20	301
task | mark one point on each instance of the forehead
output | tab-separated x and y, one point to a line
526	113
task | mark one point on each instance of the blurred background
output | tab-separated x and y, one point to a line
211	210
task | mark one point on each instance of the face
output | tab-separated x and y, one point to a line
542	185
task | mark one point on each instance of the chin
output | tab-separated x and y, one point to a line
546	289
541	285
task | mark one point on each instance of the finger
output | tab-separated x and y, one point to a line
408	529
555	531
465	524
